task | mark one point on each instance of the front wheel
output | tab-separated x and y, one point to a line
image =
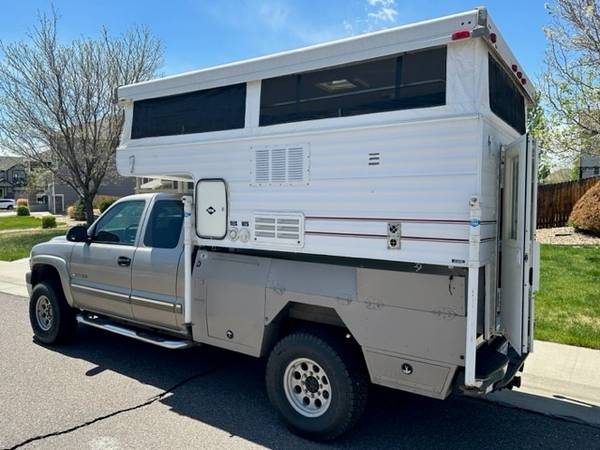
317	383
52	319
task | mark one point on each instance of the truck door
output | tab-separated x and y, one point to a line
517	244
101	269
154	273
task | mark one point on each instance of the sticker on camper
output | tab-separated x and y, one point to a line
475	222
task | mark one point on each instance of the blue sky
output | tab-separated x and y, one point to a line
203	33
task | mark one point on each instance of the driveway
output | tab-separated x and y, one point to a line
108	392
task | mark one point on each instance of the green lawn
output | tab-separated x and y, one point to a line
22	222
568	304
19	222
18	245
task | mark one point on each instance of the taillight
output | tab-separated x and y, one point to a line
461	35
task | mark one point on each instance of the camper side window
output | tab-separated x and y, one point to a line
411	80
217	109
506	101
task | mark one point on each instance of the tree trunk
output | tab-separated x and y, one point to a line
88	207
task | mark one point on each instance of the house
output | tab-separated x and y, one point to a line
589	166
50	187
13	176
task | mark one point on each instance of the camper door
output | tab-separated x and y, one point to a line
516	252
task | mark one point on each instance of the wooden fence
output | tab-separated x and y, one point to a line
555	201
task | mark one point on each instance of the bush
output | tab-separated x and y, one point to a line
22	202
586	212
48	222
76	211
105	203
23	211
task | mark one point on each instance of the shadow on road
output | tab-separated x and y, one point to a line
232	398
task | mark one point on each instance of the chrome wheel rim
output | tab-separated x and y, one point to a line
307	387
44	313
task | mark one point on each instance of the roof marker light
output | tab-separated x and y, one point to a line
493	38
461	35
523	81
514	67
519	74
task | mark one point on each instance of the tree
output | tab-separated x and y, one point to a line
571	84
538	128
58	102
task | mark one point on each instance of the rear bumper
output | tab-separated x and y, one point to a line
497	368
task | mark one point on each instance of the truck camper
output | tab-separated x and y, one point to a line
361	211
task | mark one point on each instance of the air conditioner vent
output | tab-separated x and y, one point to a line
279	229
280	165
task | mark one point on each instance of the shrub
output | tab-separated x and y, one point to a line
586	212
101	198
23	211
76	211
22	202
105	203
48	222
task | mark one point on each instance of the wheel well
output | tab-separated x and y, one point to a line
312	319
44	273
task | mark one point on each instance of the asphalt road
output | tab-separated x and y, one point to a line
108	392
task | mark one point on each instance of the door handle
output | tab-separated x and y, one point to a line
123	261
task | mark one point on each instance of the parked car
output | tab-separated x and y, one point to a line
7	203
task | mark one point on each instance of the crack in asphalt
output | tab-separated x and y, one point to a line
114	413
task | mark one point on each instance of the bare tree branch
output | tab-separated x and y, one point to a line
58	103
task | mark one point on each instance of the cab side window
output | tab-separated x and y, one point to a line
164	227
120	224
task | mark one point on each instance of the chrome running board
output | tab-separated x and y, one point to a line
151	338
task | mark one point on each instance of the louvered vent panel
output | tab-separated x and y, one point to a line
280	165
279	229
261	166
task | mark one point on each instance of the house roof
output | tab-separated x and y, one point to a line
6	162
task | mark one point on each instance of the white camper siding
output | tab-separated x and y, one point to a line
426	174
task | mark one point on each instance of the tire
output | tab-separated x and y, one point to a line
52	319
9	207
334	365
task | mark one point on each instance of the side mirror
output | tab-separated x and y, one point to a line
78	233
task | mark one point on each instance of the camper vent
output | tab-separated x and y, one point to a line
281	229
280	165
374	159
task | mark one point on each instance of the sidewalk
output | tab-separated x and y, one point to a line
559	380
12	277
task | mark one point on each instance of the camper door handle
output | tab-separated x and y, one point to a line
123	261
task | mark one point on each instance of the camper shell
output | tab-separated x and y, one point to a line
383	185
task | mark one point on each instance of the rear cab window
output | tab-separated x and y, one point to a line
165	223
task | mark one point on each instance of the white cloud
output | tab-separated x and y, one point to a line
382	11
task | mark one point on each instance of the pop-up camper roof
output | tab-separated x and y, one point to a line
405	38
369	147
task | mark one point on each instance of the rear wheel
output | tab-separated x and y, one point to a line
317	383
52	319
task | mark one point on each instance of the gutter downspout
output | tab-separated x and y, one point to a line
187	248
